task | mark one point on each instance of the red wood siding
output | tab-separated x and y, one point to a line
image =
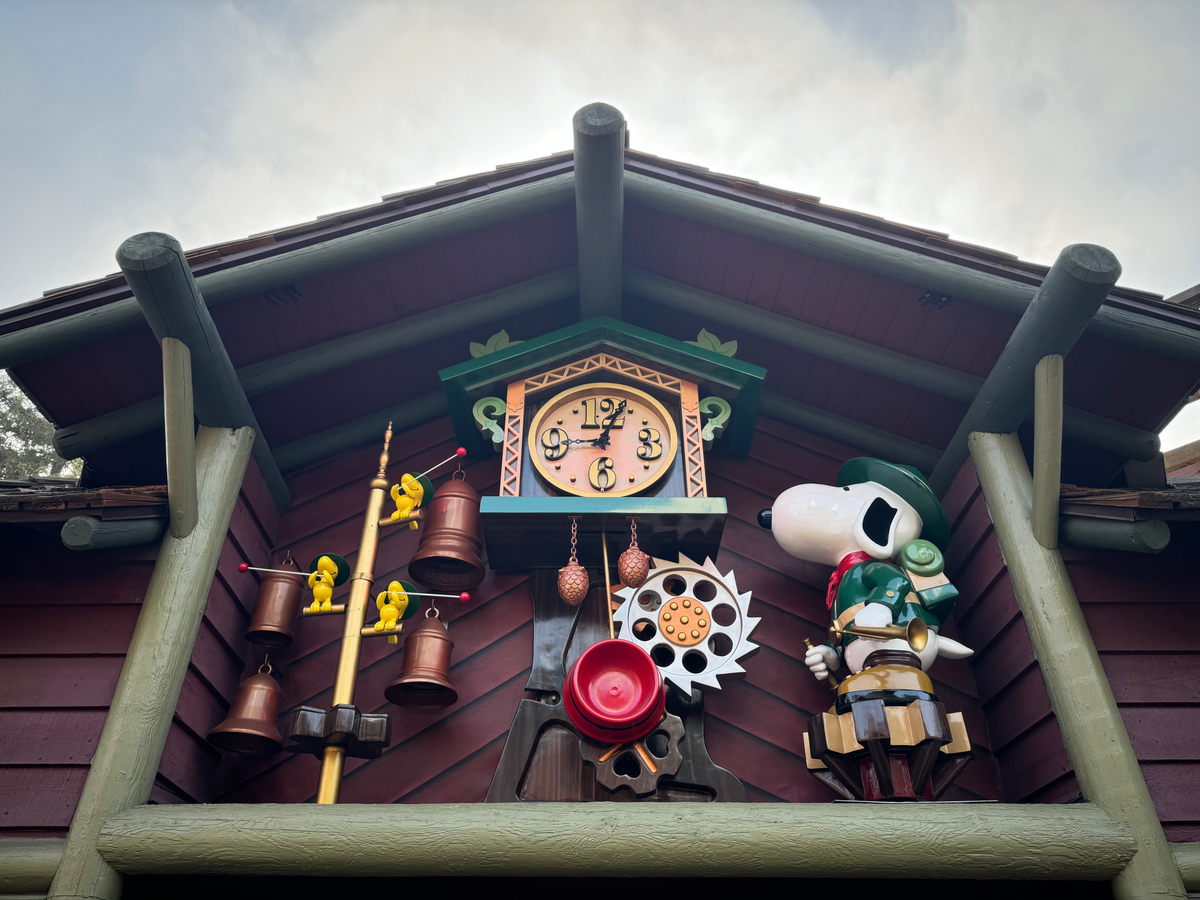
68	618
754	726
1145	624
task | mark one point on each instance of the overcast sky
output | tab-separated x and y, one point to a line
1023	126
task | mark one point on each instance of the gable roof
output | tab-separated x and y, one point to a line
453	262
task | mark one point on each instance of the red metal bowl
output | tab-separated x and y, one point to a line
614	692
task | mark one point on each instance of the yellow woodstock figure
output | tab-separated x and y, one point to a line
408	494
321	582
392	603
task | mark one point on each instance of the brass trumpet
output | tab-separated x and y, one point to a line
915	632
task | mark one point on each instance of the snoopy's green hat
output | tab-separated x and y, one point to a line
910	484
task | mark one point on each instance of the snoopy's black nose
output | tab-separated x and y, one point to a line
764	518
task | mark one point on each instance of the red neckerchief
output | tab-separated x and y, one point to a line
848	562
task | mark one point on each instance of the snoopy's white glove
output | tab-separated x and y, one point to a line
821	660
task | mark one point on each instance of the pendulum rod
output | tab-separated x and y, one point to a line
356	612
607	585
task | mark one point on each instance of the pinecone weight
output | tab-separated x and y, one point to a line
572	583
633	566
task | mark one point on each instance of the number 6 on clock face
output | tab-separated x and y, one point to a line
600	474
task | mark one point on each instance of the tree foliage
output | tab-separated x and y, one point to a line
26	448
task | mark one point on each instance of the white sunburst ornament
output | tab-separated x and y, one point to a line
692	621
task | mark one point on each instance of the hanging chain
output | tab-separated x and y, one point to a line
574	539
266	664
633	532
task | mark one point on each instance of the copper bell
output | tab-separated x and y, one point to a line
447	559
250	728
275	610
424	681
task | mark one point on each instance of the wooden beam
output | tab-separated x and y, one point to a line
361	432
180	425
84	438
1182	457
302	263
983	841
135	730
1073	290
27	864
1098	746
883	444
91	533
1187	857
161	281
1145	536
1047	448
959	281
599	207
1128	441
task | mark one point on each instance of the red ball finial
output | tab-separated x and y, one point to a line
460	452
243	567
464	597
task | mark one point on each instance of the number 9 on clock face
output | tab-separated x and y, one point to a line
584	442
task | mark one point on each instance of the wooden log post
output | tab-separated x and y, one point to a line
131	744
1094	734
1146	536
161	281
180	421
1071	293
90	533
1047	448
90	435
1108	434
599	207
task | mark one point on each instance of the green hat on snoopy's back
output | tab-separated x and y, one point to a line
910	484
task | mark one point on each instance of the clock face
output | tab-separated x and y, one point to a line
602	440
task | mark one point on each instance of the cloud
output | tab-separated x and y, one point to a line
1022	126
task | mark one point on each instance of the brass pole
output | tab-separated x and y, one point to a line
356	612
607	585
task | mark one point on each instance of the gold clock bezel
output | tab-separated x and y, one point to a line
591	388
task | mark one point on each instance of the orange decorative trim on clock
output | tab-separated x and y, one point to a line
601	362
693	440
510	460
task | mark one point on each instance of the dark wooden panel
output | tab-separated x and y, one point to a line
1175	789
464	782
962	493
998	664
189	763
1019	707
1139	626
991	614
49	737
33	631
55	681
1160	733
200	708
1033	761
1115	580
1153	677
78	582
39	796
759	763
739	270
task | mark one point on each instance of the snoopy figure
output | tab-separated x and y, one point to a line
884	531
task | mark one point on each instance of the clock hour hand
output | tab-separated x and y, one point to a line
602	441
